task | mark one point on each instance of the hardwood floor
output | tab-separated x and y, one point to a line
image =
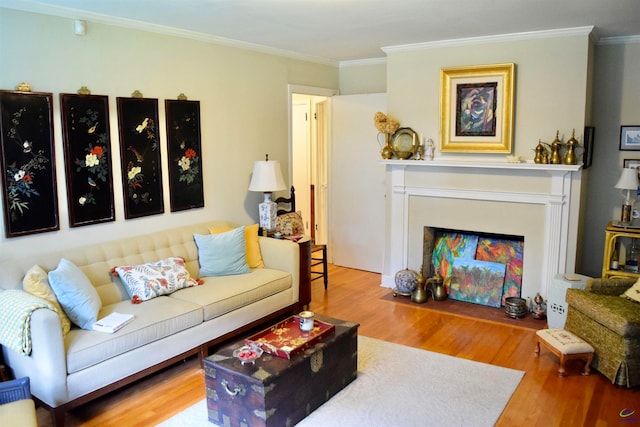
542	398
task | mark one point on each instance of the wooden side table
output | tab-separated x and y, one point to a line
612	234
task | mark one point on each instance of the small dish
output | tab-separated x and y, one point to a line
247	354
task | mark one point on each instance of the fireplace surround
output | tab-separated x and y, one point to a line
540	202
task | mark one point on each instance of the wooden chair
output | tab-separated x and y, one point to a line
321	250
290	203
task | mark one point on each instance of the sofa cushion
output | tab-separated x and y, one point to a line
152	279
75	293
154	320
222	254
252	244
617	314
36	283
220	295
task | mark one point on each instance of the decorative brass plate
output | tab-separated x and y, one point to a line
405	143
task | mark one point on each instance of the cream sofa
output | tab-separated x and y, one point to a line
68	371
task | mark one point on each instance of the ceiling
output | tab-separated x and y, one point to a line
344	30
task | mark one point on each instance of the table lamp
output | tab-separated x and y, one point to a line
267	178
628	181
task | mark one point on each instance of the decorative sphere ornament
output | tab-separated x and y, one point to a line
406	281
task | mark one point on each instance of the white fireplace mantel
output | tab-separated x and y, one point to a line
483	164
553	200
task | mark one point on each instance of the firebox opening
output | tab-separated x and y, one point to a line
478	267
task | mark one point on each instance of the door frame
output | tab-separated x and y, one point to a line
327	93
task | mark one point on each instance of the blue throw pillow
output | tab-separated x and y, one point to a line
222	254
75	293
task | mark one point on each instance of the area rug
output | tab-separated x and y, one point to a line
404	386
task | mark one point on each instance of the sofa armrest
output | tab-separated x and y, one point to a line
284	255
609	286
46	366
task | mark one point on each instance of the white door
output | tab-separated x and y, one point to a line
357	182
300	159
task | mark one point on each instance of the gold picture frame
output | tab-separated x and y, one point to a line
476	108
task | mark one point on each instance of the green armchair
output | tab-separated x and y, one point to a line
611	324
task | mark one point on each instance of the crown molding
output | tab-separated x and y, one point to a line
64	12
530	35
363	62
619	40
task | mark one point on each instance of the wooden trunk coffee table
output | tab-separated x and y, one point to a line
275	391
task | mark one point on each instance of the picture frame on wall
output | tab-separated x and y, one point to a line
27	161
140	156
185	156
630	138
476	108
88	159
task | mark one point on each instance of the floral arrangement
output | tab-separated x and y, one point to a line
385	124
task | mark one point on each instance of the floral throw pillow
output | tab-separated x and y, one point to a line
290	224
150	280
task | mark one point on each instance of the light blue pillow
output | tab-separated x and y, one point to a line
222	254
75	293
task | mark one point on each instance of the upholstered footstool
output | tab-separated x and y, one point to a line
566	346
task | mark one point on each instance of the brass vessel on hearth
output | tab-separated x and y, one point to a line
515	307
437	287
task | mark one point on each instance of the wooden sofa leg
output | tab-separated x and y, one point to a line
58	415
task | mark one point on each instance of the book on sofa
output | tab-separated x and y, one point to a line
112	322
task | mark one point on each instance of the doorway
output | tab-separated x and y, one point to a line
308	156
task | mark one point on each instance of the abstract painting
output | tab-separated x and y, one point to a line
479	282
508	252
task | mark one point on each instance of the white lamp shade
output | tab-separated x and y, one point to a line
267	177
628	180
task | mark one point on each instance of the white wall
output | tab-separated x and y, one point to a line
550	94
243	105
366	76
616	102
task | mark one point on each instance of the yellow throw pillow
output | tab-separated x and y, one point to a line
36	283
254	256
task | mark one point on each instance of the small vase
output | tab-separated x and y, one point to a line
406	281
387	150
